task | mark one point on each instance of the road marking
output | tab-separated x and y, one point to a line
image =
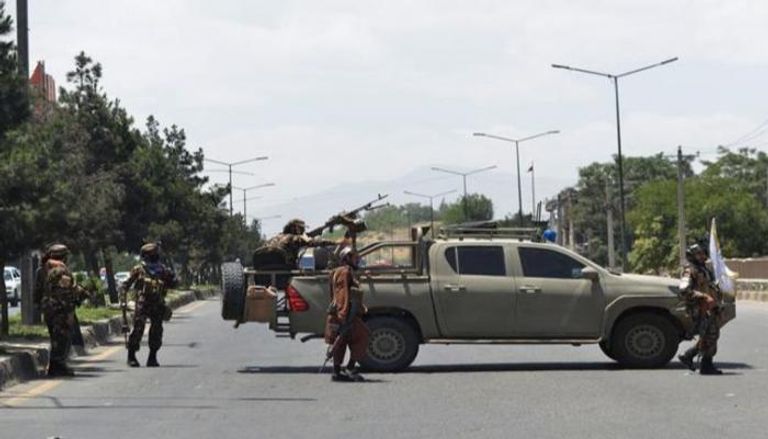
52	384
104	355
191	307
31	393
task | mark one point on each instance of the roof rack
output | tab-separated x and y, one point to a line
521	233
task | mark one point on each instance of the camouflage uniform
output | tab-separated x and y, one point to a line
58	295
702	297
293	239
151	280
344	325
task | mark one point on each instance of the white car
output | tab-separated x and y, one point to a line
12	277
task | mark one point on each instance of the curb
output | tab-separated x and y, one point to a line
24	362
752	289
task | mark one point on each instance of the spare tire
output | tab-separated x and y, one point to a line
232	291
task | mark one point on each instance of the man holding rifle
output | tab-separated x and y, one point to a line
344	325
703	297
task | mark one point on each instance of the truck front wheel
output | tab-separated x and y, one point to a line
644	340
392	346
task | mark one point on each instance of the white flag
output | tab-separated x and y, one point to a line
723	276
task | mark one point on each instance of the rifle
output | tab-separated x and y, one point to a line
351	219
343	329
124	307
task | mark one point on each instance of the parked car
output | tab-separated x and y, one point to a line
12	278
477	288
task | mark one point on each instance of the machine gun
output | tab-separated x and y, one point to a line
351	220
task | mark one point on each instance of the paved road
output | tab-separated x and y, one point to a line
218	382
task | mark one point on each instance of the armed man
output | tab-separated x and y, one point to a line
703	299
57	294
151	280
344	325
293	239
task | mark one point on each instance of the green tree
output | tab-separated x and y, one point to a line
479	208
14	110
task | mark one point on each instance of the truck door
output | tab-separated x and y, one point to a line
554	301
474	294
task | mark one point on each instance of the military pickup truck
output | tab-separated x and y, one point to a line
488	286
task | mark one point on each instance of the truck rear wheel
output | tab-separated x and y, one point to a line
606	348
232	291
393	344
644	340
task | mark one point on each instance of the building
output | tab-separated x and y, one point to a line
43	82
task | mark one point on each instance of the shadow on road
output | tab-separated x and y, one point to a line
488	367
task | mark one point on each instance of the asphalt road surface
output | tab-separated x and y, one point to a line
217	382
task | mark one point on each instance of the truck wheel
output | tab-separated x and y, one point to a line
232	291
606	348
15	299
392	346
644	340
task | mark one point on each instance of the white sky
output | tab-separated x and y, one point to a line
370	94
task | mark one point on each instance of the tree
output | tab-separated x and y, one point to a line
479	208
14	110
742	222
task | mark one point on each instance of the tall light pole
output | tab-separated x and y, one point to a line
517	143
245	200
615	80
464	176
229	165
431	206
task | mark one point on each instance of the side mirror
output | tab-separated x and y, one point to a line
590	273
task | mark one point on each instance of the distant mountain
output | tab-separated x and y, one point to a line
500	186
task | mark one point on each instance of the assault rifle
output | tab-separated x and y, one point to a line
351	219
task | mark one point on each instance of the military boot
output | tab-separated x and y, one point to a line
132	361
152	359
687	357
354	374
708	368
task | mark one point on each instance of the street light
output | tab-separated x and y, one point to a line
229	165
517	153
431	205
615	79
245	191
464	177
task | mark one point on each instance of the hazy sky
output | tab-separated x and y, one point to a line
341	93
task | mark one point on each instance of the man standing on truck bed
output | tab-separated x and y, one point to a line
289	243
698	288
344	324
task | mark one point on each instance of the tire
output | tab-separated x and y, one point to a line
232	291
606	348
14	301
393	344
644	340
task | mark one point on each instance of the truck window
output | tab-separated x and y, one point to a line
477	261
389	257
539	262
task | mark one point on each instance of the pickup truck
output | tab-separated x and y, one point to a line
483	287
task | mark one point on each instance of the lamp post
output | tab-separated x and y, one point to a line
464	176
431	206
245	200
615	80
517	143
229	165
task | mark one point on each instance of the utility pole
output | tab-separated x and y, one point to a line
533	193
680	205
609	226
571	233
229	165
22	37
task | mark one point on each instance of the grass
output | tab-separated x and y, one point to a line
28	332
88	315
